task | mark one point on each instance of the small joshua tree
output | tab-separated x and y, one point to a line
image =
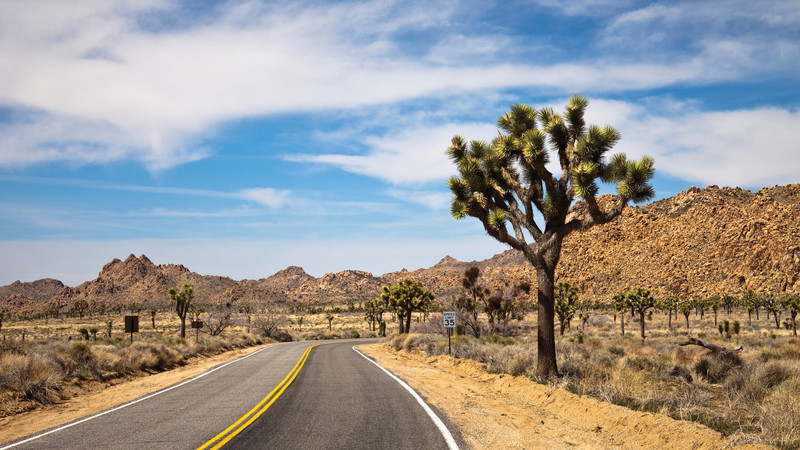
94	331
566	303
109	322
330	318
669	305
641	301
153	317
183	303
792	304
621	305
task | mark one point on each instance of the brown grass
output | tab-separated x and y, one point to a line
752	397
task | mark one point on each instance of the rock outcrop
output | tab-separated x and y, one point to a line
704	242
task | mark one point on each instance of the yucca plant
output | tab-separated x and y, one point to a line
507	181
641	301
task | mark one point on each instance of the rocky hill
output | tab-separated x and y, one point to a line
703	242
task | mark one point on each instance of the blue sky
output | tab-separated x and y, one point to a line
241	137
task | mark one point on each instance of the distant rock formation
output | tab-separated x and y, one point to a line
702	242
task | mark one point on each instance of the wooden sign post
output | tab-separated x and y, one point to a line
197	324
131	325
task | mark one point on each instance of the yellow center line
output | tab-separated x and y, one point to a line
264	404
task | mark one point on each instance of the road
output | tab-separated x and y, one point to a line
298	395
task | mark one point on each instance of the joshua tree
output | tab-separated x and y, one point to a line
621	304
183	303
94	331
2	316
300	322
669	305
792	304
566	303
109	322
153	317
80	307
247	310
685	307
330	321
641	301
714	304
772	305
408	296
468	302
506	181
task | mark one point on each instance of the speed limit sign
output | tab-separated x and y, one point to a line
449	319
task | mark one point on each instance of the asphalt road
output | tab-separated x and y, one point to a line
323	397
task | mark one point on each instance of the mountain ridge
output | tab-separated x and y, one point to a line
709	241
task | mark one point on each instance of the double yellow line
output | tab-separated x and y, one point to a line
221	439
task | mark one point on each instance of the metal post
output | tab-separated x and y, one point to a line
449	331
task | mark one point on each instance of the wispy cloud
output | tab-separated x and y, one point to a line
273	198
748	148
100	87
411	156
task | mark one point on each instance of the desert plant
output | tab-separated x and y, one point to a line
565	303
669	304
329	318
80	307
641	301
685	307
505	181
109	322
183	303
153	317
621	305
772	305
792	304
406	297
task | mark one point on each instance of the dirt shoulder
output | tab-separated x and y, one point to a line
507	412
105	396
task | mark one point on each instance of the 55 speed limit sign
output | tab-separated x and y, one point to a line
449	319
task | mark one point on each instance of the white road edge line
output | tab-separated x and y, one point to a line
125	405
451	442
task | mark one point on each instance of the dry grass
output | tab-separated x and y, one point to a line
753	396
38	357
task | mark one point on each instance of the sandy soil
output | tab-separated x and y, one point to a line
106	396
507	412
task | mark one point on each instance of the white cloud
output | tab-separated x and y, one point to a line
434	200
101	88
273	198
747	148
411	156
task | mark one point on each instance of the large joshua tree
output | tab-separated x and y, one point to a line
508	181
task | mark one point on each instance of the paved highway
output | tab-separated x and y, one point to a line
292	395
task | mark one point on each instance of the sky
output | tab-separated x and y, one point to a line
241	137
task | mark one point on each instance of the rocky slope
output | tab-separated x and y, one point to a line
703	242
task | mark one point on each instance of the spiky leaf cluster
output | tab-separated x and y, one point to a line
505	181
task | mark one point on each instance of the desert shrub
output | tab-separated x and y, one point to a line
31	375
497	339
780	415
354	334
718	367
514	360
616	350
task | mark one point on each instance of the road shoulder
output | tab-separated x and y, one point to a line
503	411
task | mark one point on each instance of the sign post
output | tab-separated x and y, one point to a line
449	322
197	324
131	325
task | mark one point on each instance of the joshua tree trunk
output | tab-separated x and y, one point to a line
669	321
687	319
641	322
622	322
408	322
545	275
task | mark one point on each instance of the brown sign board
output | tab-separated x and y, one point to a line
131	324
197	324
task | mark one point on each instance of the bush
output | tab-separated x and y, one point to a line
717	368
